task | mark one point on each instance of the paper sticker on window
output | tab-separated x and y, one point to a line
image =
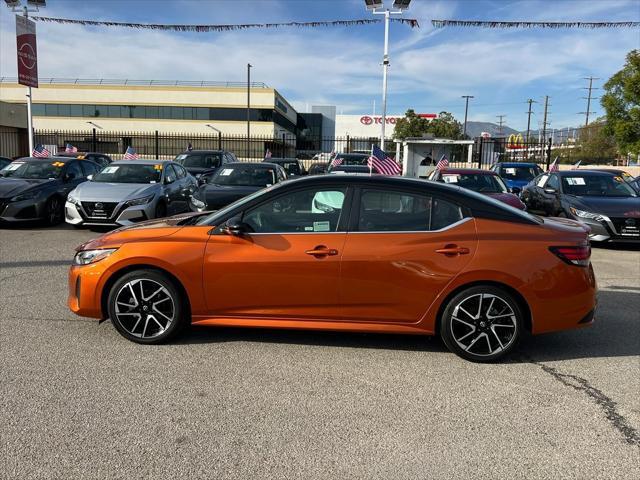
510	171
13	166
618	179
158	167
226	172
110	170
308	229
542	181
450	178
321	226
575	181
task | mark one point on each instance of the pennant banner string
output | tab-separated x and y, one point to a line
497	24
413	23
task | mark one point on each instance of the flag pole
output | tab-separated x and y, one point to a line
370	162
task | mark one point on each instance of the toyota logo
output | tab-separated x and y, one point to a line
366	120
99	206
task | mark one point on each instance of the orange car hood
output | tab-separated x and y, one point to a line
142	231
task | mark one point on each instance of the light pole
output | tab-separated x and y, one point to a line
466	110
375	7
248	107
95	125
219	135
14	5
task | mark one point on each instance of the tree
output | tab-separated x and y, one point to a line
621	102
412	125
595	144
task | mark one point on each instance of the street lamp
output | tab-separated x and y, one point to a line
95	125
248	107
466	110
219	135
375	7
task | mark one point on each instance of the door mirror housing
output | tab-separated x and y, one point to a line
516	190
235	227
70	176
89	177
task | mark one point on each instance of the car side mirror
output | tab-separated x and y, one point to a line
70	176
89	177
235	227
516	190
550	190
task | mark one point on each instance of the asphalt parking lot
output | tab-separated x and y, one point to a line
79	401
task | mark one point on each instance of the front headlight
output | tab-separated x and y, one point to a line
25	196
139	201
197	203
86	257
72	199
592	216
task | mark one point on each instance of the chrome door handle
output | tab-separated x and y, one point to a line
321	251
452	250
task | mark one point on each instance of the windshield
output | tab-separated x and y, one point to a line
476	182
244	175
525	173
198	160
353	158
597	186
129	173
292	168
33	170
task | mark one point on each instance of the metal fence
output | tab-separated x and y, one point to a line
488	151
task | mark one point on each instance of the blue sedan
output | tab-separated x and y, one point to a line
517	174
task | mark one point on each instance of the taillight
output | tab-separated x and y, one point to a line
573	255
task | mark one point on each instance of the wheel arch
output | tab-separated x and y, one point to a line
104	294
522	302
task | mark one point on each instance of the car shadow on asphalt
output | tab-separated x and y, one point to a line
614	333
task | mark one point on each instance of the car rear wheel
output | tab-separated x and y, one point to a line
54	211
482	323
146	307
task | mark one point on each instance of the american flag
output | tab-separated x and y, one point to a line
554	166
70	149
382	163
267	154
40	152
442	163
335	160
130	154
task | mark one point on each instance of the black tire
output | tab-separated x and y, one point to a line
493	334
54	210
161	210
142	323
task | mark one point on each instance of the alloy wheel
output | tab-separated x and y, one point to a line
144	308
483	324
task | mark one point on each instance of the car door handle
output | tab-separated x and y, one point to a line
453	250
322	251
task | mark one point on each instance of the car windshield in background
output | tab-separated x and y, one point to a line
246	176
478	183
353	158
519	173
197	160
38	170
129	173
292	168
597	186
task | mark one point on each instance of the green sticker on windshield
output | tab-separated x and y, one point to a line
321	226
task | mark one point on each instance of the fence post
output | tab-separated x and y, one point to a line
549	154
94	142
480	148
347	147
157	145
283	140
219	140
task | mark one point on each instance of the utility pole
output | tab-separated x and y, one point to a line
544	120
530	102
466	110
588	98
500	123
248	108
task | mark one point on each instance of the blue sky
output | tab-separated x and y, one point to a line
430	69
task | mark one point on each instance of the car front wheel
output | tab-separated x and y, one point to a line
482	323
146	307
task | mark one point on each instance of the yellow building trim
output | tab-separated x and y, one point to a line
155	104
75	86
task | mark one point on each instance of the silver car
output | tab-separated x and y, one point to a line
130	191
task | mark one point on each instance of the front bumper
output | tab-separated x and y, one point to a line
24	211
121	215
612	230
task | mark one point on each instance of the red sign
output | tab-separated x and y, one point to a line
367	120
27	52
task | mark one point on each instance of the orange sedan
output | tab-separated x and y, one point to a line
345	253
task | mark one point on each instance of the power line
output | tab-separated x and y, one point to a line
500	123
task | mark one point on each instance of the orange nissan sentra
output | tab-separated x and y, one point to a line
345	253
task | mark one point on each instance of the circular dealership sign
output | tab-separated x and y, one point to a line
366	120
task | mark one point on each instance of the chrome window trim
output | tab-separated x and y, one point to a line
459	222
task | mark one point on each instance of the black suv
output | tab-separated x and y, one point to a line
202	163
292	166
100	159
